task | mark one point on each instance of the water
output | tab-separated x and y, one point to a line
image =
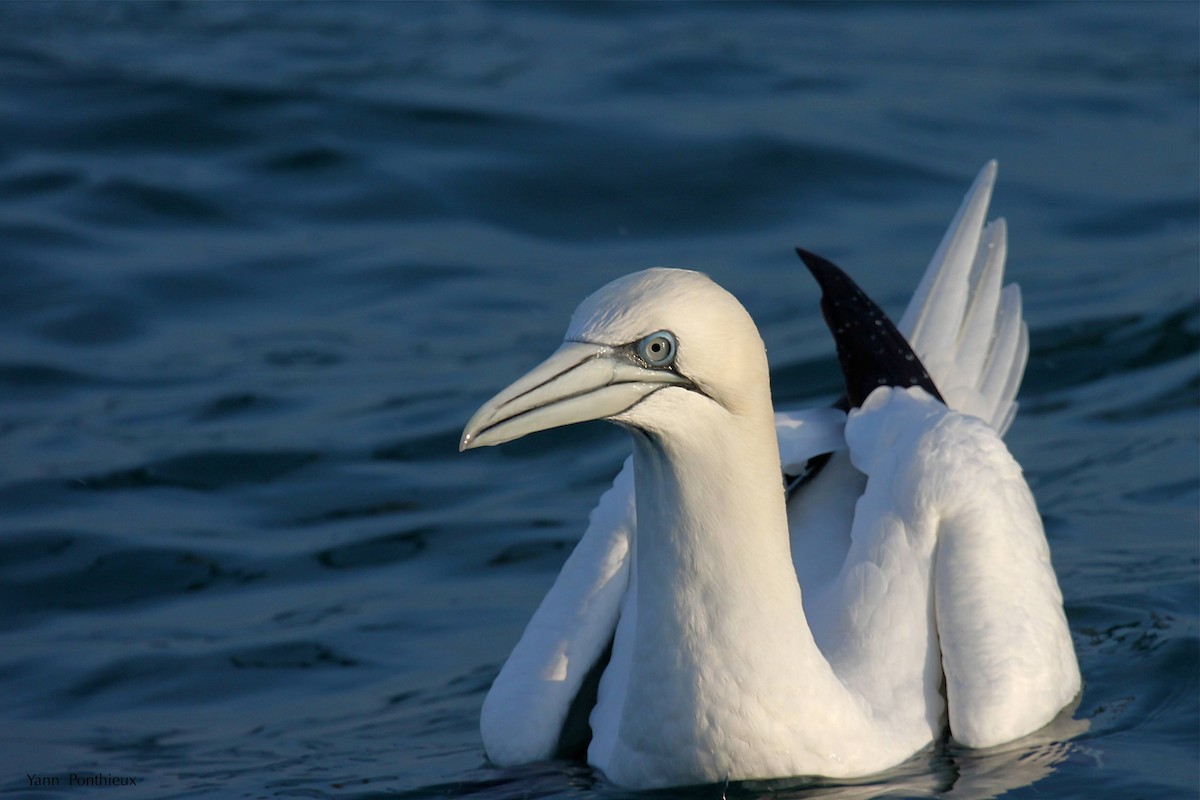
260	263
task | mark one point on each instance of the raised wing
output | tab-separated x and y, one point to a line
969	335
530	712
966	329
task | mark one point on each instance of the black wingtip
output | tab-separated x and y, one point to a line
871	351
817	265
833	281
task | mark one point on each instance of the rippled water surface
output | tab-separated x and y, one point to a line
259	263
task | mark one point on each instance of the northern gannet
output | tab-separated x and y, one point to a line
713	624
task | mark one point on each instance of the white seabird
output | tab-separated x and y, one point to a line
710	625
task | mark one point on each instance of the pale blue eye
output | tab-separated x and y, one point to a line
658	349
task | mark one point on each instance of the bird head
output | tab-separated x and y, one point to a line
649	350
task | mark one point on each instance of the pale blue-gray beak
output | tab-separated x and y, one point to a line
580	382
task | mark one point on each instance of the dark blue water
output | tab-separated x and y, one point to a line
259	263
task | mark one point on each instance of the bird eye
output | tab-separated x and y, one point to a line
658	349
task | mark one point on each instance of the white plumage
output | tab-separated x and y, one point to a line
755	635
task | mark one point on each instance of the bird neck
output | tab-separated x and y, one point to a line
710	506
719	636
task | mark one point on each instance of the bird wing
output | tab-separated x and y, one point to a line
959	498
969	335
808	432
530	711
965	328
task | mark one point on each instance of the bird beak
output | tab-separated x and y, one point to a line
580	382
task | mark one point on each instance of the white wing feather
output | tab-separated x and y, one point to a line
1006	649
966	330
807	432
524	711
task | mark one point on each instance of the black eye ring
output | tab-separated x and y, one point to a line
658	349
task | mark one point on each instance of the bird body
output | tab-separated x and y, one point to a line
740	630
